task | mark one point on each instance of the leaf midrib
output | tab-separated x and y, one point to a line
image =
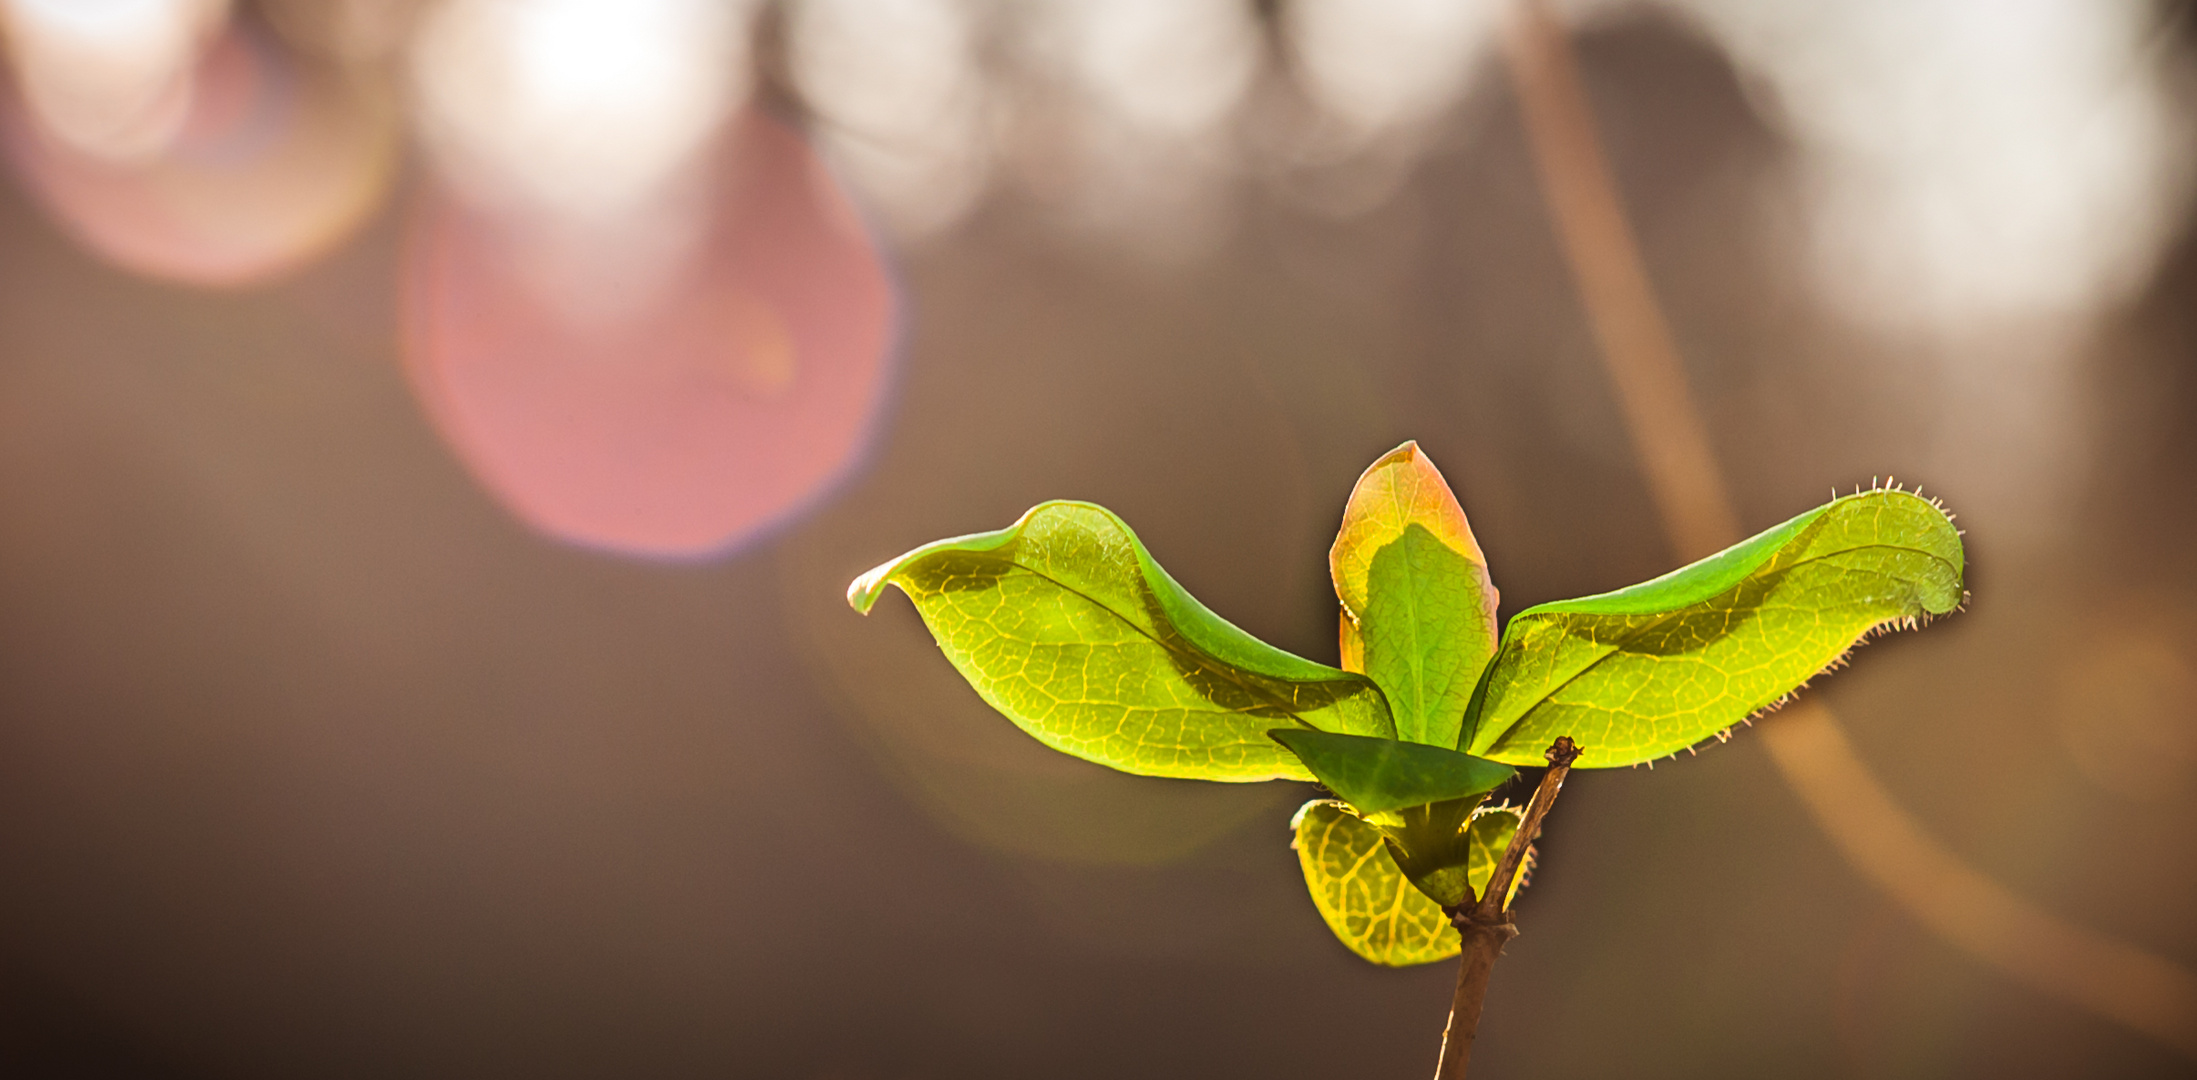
1225	672
1538	609
1415	658
1619	643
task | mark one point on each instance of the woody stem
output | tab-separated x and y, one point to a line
1485	927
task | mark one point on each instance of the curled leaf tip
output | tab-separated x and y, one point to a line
1065	624
864	590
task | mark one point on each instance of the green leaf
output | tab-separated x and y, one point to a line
1351	871
1418	608
1064	623
1646	671
1368	903
1376	774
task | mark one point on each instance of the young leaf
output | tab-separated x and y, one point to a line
1368	903
1376	774
1418	608
1363	897
1063	622
1646	671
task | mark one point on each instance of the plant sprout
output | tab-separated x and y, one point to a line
1064	623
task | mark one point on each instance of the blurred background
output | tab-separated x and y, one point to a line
435	439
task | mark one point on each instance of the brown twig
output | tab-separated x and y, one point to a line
1484	927
1483	942
1561	754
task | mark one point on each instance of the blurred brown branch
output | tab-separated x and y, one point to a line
1882	840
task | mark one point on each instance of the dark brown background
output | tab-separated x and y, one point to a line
314	763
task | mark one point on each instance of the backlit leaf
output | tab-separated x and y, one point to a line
1376	774
1646	671
1418	608
1064	623
1361	894
1367	902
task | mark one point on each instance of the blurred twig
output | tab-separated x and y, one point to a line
1881	839
1628	324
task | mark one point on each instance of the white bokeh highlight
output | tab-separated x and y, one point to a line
583	108
110	78
1380	65
1968	159
1150	89
900	102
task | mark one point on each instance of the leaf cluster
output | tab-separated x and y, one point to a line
1065	624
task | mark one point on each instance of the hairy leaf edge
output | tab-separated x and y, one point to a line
1739	562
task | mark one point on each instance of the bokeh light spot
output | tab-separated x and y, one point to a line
741	385
576	106
271	165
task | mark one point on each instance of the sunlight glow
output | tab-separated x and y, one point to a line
728	397
1147	91
1984	181
1176	67
1382	64
270	165
109	78
900	102
580	107
1971	159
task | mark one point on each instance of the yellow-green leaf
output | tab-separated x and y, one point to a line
1365	899
1064	623
1418	607
1646	671
1361	894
